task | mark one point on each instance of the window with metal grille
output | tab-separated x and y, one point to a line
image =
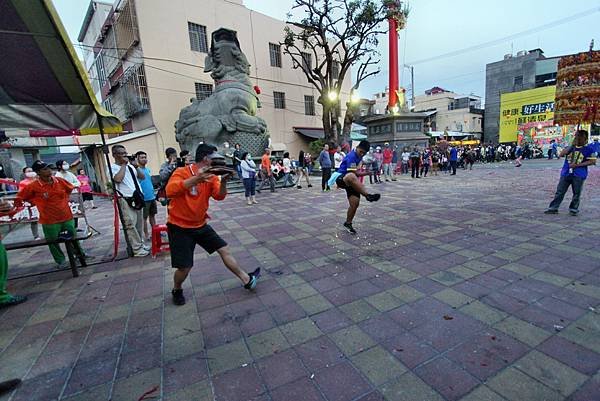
335	70
518	82
307	61
107	104
275	53
279	100
100	69
134	91
203	90
309	105
198	41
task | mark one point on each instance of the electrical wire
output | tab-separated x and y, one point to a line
509	37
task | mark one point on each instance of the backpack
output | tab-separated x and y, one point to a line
161	194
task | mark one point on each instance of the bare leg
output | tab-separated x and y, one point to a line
353	201
180	276
352	180
146	235
233	265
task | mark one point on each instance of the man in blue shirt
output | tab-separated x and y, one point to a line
453	159
578	157
325	162
348	180
150	208
596	146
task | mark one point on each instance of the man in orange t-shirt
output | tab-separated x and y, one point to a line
51	197
265	171
189	190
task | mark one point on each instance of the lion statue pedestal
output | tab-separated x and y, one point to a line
228	115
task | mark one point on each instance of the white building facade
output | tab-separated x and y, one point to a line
145	59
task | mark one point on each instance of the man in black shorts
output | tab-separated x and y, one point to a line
349	181
189	190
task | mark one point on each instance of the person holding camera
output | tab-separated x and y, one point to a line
167	168
574	172
131	199
189	190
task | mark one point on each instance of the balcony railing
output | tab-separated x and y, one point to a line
126	28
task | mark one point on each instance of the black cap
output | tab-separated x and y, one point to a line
39	165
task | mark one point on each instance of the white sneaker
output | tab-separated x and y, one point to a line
141	253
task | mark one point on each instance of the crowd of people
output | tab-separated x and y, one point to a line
187	182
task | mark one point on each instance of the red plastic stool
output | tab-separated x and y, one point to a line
160	239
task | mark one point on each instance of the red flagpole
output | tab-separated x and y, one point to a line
393	63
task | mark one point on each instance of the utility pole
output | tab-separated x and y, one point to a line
412	85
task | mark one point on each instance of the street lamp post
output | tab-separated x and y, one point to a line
412	83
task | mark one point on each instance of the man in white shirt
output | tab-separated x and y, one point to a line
126	178
405	157
337	158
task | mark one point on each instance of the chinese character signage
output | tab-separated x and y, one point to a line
30	213
578	89
531	107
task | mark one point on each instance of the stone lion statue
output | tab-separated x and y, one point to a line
229	114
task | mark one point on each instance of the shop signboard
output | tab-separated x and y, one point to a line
517	109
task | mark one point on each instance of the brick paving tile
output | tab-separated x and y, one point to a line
341	382
240	384
319	353
494	302
447	378
302	389
571	354
281	368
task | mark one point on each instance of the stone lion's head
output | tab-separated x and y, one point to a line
226	58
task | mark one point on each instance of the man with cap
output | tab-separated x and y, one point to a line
50	195
388	155
190	189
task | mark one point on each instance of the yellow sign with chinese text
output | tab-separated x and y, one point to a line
525	107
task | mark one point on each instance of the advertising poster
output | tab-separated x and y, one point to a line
578	89
532	107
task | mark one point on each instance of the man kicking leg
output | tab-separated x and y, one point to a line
349	181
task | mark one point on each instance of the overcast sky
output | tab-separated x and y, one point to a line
438	27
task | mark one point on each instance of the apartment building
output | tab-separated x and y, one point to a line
450	111
146	61
514	73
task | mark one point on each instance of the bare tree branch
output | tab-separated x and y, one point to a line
342	35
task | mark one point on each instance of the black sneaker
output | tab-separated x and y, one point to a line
373	197
349	227
253	279
551	211
9	385
178	298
